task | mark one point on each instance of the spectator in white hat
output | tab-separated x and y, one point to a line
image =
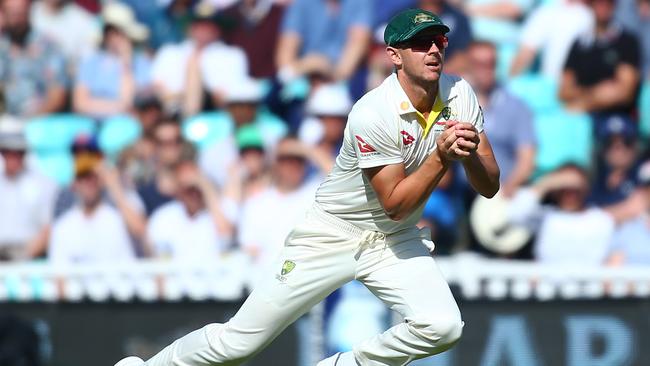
327	108
26	197
243	107
108	80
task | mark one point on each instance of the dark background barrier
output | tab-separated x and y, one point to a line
498	333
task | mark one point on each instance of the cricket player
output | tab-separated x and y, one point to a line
399	140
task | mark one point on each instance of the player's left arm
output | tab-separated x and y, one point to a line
480	166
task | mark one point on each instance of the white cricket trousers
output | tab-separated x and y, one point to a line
329	252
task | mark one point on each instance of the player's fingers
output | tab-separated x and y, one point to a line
466	144
450	124
460	152
467	134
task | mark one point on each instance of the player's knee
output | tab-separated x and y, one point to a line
440	333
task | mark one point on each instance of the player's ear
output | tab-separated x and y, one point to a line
394	56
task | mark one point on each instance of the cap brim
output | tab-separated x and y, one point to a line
420	27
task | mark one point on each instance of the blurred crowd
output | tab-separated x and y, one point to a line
186	129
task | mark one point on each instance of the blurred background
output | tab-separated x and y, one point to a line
155	153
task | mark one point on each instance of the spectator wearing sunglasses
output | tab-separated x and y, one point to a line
617	162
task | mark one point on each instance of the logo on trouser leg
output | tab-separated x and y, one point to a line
287	267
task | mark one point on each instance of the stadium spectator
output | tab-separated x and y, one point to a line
328	109
286	200
569	231
157	16
114	190
202	64
602	70
631	242
570	19
158	188
196	226
92	231
324	38
496	21
617	162
26	198
74	29
508	121
141	154
250	174
108	80
32	68
243	107
634	15
256	29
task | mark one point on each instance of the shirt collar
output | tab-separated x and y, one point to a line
404	105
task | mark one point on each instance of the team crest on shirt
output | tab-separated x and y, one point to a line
446	113
287	267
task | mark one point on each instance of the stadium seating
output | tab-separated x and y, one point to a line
206	128
50	138
562	137
539	92
118	133
644	110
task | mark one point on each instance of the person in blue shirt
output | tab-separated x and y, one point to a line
108	80
328	38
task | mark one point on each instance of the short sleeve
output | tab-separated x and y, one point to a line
161	65
473	111
56	68
85	71
363	14
373	143
572	60
629	49
523	125
291	21
534	30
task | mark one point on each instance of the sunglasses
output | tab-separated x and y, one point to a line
291	159
423	43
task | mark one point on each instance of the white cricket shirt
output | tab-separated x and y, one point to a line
384	128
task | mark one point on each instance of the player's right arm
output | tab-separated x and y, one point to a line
400	194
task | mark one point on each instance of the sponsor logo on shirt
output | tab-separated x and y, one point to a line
364	147
407	138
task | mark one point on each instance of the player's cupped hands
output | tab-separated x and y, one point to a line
458	140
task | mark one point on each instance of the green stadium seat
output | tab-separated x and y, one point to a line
563	137
206	128
58	166
644	110
118	133
55	133
539	92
